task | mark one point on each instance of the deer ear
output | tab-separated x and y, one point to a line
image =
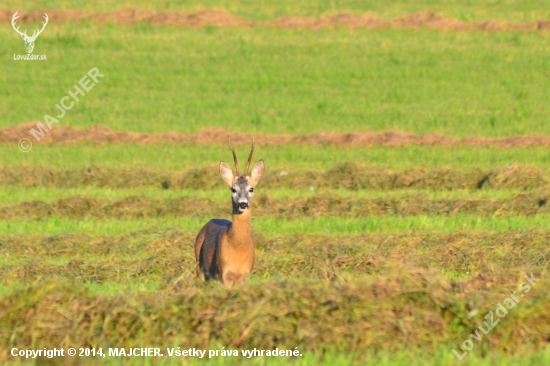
257	172
226	173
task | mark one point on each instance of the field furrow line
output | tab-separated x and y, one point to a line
222	18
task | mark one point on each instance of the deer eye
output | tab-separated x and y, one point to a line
233	190
251	190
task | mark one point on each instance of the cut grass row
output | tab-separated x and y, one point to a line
525	11
410	309
283	81
157	258
139	207
10	195
346	175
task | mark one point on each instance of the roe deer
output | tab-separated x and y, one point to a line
224	249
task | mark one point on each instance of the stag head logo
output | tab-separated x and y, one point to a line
29	40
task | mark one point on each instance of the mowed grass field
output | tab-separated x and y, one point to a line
379	255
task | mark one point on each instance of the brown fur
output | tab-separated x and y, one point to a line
225	251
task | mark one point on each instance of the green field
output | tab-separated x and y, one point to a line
379	255
283	81
483	10
166	157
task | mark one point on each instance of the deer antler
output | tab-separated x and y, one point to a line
35	33
234	157
249	157
43	26
17	29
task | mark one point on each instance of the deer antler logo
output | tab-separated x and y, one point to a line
29	41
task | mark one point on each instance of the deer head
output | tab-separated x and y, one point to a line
242	186
29	41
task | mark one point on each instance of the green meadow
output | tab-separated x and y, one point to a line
271	227
270	81
364	255
166	157
263	10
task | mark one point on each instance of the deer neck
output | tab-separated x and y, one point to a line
240	232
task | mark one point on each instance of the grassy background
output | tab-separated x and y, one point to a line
283	81
165	157
509	10
407	248
271	227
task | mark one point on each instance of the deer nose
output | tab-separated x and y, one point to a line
243	205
